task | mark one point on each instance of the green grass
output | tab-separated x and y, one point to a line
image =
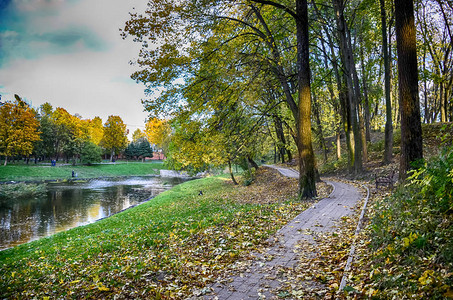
169	247
23	172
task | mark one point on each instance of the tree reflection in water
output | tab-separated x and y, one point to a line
68	205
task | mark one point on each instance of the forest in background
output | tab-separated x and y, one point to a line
235	76
48	134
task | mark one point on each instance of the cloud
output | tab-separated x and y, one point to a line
71	54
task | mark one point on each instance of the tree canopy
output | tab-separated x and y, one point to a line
18	128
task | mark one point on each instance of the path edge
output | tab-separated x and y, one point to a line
352	251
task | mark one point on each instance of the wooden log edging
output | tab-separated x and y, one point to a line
352	251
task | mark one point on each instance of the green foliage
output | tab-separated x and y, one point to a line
334	165
412	233
139	149
90	153
21	190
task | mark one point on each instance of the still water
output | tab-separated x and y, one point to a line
68	205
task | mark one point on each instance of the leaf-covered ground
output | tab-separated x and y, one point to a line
170	247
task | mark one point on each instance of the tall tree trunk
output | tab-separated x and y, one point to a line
322	142
281	137
353	93
307	165
332	94
6	160
411	130
425	89
366	102
338	141
388	141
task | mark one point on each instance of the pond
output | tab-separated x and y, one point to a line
71	204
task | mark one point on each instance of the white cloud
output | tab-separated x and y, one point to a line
82	79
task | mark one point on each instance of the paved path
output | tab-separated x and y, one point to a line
263	276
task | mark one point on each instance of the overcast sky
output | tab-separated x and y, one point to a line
70	53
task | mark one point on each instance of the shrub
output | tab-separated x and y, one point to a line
90	153
412	233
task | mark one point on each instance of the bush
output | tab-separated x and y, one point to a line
90	153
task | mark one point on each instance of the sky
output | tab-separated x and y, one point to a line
70	53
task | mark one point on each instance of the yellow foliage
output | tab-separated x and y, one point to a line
158	132
18	128
427	277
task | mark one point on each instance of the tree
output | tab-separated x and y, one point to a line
96	130
46	146
195	32
144	149
18	128
158	133
137	135
411	131
69	134
139	148
115	135
90	153
388	147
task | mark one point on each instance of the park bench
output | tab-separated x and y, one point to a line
385	180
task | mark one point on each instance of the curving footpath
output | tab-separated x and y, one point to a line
262	276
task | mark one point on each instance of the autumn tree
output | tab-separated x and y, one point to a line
158	133
18	128
70	134
115	135
96	130
246	40
137	135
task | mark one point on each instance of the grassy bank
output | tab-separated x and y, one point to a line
171	246
407	249
31	172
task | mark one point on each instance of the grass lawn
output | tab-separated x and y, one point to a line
169	247
23	172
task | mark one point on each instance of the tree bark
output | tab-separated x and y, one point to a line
388	140
281	137
307	165
231	173
411	131
322	142
252	162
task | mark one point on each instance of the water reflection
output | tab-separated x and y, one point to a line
69	205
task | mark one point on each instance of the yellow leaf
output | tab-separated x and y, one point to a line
426	278
103	288
406	242
13	274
